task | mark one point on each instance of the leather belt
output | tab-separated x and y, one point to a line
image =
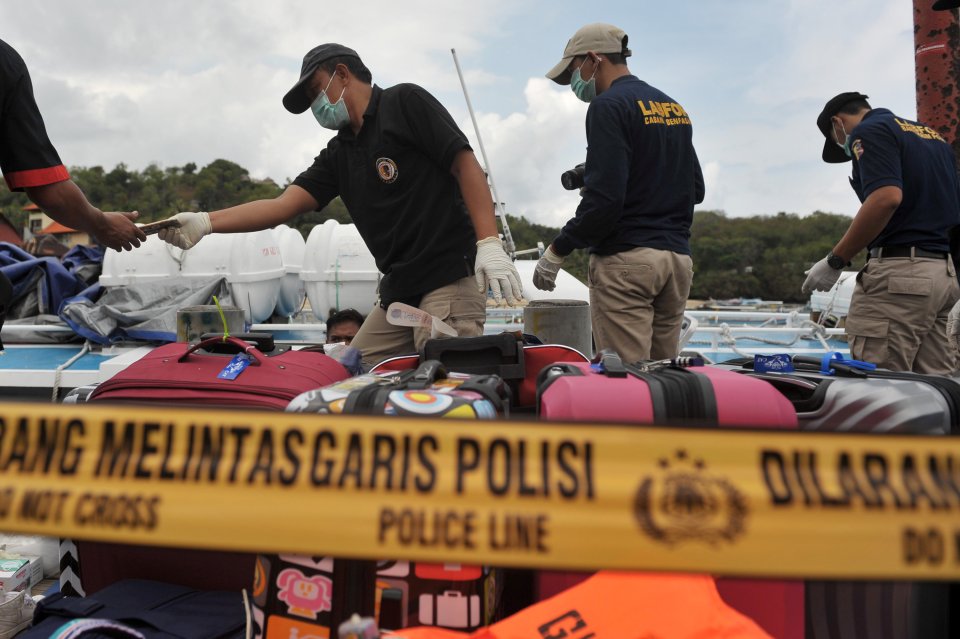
905	251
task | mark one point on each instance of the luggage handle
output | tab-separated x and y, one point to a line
263	341
611	365
500	354
424	375
832	363
256	356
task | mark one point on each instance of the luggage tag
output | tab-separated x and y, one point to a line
236	366
778	363
400	314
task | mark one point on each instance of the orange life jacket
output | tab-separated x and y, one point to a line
615	605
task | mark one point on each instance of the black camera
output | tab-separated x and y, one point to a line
573	179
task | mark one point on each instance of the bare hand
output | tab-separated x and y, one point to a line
119	232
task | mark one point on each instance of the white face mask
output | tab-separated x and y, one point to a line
586	90
330	116
846	140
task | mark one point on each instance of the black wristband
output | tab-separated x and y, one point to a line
836	262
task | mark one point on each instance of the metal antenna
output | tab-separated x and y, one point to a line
498	205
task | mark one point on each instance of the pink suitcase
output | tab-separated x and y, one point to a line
699	395
609	391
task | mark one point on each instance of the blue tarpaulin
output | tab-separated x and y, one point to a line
46	277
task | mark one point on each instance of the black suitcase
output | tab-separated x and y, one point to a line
849	398
832	394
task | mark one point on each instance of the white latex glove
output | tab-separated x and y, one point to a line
545	275
496	271
193	226
820	277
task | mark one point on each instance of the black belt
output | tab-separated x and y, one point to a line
905	251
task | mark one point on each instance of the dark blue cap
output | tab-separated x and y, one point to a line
296	100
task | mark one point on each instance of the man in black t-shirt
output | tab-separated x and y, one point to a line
413	187
905	176
30	163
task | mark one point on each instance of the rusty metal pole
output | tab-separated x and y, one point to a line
936	37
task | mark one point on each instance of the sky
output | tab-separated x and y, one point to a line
168	82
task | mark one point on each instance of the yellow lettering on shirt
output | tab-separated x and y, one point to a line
919	130
663	113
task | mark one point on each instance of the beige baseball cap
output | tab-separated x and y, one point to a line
598	37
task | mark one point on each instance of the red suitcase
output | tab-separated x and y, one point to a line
185	374
182	374
699	395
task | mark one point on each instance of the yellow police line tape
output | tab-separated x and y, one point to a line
580	496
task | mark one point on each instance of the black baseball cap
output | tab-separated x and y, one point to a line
296	100
831	152
943	5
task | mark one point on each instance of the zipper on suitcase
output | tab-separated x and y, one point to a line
173	385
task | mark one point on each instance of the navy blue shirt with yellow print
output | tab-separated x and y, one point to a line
642	176
891	151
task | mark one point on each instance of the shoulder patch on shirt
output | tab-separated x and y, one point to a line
857	148
387	170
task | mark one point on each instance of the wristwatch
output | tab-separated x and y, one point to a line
836	262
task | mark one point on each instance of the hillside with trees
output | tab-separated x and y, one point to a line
760	256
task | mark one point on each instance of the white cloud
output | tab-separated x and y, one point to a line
528	151
713	181
184	81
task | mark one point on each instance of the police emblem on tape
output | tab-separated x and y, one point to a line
387	170
683	502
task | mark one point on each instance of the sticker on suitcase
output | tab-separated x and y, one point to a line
448	572
284	628
393	603
305	596
324	564
450	609
393	568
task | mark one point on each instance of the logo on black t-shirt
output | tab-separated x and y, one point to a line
387	170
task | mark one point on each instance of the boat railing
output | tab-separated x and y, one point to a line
748	316
725	336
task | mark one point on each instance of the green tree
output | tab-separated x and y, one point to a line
759	256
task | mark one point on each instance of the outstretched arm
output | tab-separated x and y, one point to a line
66	203
251	216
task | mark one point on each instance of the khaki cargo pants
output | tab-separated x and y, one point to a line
898	314
459	304
637	299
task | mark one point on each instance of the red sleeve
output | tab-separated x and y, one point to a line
27	157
